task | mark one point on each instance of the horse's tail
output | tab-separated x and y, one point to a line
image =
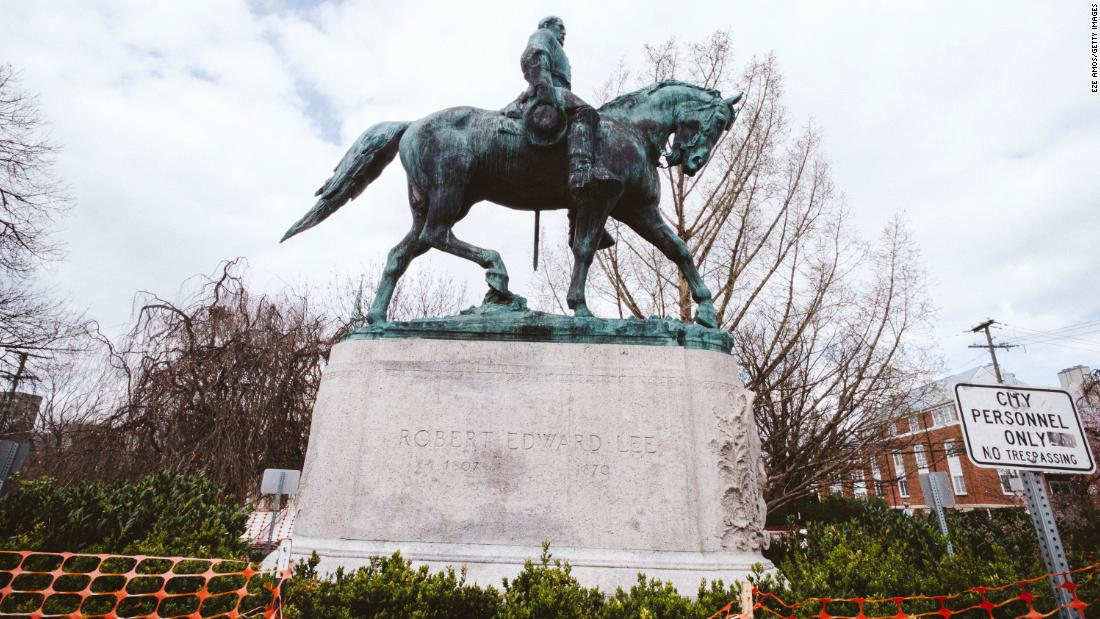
364	161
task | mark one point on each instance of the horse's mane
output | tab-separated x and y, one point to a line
632	99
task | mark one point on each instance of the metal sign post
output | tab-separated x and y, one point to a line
274	517
278	482
1050	542
1031	430
934	486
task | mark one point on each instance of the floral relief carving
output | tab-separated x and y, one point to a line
741	475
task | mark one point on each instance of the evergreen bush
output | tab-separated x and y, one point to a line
162	514
546	589
853	549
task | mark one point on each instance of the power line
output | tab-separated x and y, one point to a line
1076	337
1073	327
1069	346
1070	332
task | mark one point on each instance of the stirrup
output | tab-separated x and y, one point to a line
580	177
600	185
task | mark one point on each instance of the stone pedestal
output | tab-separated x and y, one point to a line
626	458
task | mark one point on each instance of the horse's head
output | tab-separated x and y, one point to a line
699	127
697	117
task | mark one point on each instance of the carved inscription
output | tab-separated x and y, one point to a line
466	440
549	441
483	440
475	452
594	470
428	465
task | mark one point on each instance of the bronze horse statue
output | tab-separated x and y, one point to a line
460	156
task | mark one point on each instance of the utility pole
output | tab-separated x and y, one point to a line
1038	504
9	401
991	346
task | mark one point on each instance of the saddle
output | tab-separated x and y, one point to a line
543	124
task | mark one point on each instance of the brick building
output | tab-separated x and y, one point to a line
930	439
18	413
1075	380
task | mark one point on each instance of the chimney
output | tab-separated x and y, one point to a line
1072	378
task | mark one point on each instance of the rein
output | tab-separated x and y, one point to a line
675	155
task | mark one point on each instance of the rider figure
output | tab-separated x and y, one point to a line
546	69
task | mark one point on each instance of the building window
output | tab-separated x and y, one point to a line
1006	476
954	465
916	422
1064	488
1060	439
943	416
922	460
859	484
876	477
836	490
899	470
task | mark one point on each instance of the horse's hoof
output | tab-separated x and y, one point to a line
706	317
581	311
497	297
374	318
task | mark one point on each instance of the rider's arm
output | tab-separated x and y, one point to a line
535	63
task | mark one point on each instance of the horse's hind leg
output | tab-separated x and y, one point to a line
648	224
445	209
398	261
590	219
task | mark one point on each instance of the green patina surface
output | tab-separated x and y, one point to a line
516	323
546	150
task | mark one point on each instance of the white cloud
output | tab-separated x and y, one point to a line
198	131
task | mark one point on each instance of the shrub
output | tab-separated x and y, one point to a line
163	514
546	589
883	553
832	508
387	588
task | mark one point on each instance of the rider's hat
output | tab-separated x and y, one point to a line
545	123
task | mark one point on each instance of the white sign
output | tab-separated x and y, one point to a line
1023	428
943	490
280	481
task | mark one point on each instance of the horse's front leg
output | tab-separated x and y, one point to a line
647	222
575	298
590	218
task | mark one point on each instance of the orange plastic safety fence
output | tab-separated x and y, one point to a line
1011	600
64	584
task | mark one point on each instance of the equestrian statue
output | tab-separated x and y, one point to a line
548	149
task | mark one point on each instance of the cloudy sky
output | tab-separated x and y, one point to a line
197	131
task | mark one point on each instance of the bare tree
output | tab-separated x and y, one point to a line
1089	407
32	325
1083	500
822	321
223	383
30	199
78	390
421	293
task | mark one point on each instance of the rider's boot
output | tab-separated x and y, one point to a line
587	182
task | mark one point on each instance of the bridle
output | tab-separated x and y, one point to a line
675	155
